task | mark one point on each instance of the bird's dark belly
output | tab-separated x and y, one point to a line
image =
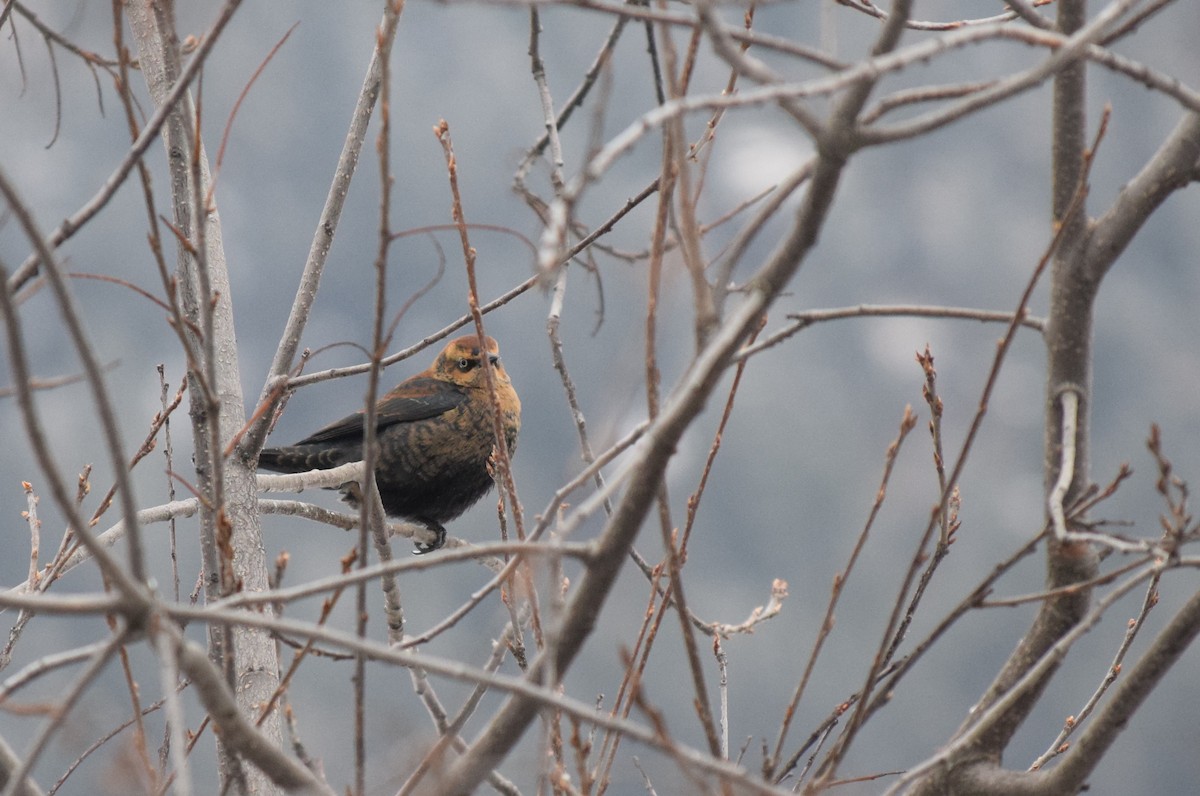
436	494
426	476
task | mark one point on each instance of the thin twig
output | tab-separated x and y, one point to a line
907	422
148	136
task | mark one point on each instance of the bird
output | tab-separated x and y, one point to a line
436	434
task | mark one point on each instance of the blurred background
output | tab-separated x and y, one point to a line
959	217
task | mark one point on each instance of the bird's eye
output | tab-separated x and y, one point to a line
465	364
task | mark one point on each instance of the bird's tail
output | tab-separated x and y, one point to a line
298	459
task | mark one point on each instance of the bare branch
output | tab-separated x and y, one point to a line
522	687
149	135
331	213
1138	682
1172	168
237	732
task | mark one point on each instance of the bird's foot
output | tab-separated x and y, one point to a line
439	539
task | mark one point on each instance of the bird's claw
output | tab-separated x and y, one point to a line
439	539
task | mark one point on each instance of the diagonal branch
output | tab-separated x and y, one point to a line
1172	168
665	432
331	213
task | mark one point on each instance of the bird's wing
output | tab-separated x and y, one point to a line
415	399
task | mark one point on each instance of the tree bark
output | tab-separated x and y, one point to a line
231	533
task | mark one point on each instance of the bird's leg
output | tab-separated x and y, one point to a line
439	538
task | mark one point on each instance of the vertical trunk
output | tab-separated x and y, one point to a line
231	535
1069	368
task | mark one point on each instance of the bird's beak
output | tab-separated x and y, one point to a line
493	360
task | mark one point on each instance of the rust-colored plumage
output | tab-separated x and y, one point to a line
435	433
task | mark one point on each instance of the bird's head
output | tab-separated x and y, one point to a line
461	362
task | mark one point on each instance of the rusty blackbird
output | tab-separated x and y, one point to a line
435	433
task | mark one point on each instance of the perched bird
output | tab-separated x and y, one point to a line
435	431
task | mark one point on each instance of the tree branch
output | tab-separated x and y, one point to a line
1172	168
